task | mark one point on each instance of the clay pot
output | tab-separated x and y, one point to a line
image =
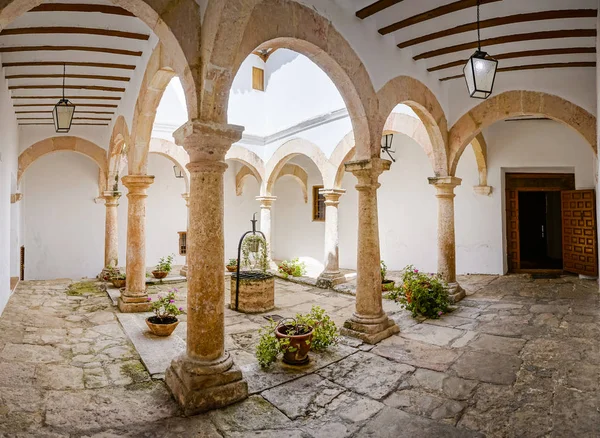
298	343
387	285
161	329
231	268
118	282
160	274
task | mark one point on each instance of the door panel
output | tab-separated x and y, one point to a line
579	232
512	226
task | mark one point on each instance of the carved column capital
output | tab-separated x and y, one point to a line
111	199
367	172
332	196
137	184
266	201
186	197
445	185
207	141
16	197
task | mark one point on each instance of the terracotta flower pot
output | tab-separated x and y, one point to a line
387	285
231	268
160	274
298	345
161	329
119	282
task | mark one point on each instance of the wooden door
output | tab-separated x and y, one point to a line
512	228
580	253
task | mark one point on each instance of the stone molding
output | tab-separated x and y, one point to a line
16	197
332	196
207	141
483	190
266	201
367	172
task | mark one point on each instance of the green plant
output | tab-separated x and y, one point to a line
165	264
421	294
164	308
260	258
294	267
383	270
232	262
112	272
325	334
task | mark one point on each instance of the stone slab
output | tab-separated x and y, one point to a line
416	353
488	367
432	334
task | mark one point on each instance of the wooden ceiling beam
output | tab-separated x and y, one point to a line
433	13
74	30
71	64
69	97
72	124
72	76
76	7
501	21
73	48
505	39
50	105
76	111
378	6
67	87
522	54
535	67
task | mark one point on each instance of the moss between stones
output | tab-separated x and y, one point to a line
135	370
83	288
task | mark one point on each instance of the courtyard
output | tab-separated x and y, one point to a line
517	357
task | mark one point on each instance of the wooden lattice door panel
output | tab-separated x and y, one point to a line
580	250
512	230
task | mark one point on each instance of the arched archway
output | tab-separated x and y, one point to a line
119	140
518	103
250	161
175	154
267	24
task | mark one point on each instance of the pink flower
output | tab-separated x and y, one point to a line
416	271
181	309
440	313
171	301
149	299
175	289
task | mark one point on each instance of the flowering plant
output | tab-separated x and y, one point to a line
165	264
164	308
421	294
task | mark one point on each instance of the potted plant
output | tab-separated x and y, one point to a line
165	311
165	265
422	294
295	268
232	265
295	337
252	242
118	280
386	285
253	289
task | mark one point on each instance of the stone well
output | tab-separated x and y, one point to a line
256	292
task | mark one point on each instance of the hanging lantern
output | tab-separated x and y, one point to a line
386	145
480	70
63	111
178	172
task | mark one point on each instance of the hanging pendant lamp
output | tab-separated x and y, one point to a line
480	70
63	110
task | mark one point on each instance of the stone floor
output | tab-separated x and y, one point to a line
517	358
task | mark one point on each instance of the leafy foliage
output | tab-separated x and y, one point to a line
164	307
325	334
421	294
114	273
293	267
383	270
165	264
232	262
255	252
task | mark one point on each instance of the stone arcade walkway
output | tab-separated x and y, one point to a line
518	358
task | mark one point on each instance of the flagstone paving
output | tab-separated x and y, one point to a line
517	358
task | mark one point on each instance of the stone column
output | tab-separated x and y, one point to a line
331	275
186	197
369	322
111	233
205	377
135	298
446	242
266	202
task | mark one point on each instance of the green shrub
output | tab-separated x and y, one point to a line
421	294
165	264
293	267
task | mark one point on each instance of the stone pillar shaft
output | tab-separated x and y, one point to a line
331	274
446	238
266	202
111	233
369	322
135	298
205	377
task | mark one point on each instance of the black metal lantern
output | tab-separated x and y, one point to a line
480	70
386	145
178	172
63	111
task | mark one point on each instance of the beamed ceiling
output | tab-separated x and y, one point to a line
521	34
100	44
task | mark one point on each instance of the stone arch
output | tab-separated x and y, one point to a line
413	93
157	76
174	153
119	140
240	178
249	159
233	30
178	29
64	143
291	149
480	149
518	103
299	175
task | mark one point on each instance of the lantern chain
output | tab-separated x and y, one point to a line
478	30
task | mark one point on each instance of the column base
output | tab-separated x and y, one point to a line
329	279
183	271
370	330
455	292
136	304
201	386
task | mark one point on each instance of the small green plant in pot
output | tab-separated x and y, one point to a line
164	266
232	265
118	279
421	294
165	311
255	253
295	337
293	267
386	284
